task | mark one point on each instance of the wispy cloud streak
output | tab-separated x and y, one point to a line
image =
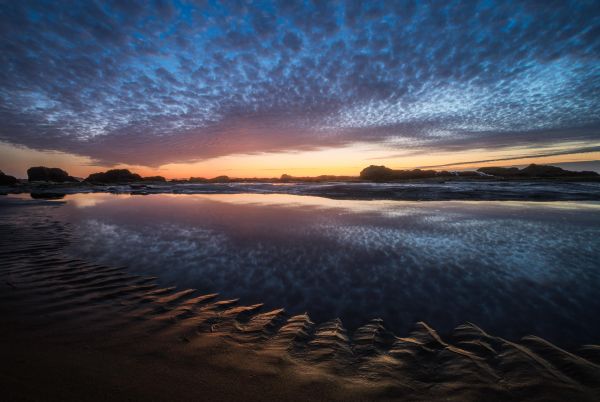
516	157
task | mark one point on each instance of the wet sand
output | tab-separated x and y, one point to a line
75	330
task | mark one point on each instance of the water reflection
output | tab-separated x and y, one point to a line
512	267
47	196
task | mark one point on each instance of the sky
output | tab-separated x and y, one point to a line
262	88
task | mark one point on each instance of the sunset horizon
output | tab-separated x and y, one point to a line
184	89
17	159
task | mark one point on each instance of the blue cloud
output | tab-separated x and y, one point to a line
156	82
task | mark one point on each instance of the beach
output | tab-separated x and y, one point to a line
268	200
74	329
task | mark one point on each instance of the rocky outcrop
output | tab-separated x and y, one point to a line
500	171
219	179
382	173
114	176
42	173
377	173
535	171
154	179
324	178
462	173
6	180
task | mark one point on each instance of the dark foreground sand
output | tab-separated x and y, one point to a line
73	330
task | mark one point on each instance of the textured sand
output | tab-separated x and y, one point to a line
73	330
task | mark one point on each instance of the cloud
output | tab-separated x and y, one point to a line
292	41
572	151
157	82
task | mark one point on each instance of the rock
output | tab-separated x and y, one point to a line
500	171
154	178
534	170
114	176
467	173
382	173
42	173
6	180
219	179
377	173
414	174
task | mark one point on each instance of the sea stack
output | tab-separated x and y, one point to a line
42	173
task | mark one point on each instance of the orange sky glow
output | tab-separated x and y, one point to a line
347	160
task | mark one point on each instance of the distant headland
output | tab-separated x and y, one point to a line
373	173
533	171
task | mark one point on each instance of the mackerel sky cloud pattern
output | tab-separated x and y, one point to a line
149	83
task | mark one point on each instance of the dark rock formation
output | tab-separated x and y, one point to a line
324	178
154	178
415	174
500	171
534	171
377	173
467	173
114	176
219	179
42	173
6	180
382	173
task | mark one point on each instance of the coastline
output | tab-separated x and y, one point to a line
410	190
123	336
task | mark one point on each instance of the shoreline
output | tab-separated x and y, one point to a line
421	190
87	319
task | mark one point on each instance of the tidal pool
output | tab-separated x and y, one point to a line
513	268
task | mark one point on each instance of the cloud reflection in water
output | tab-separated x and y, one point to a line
513	268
